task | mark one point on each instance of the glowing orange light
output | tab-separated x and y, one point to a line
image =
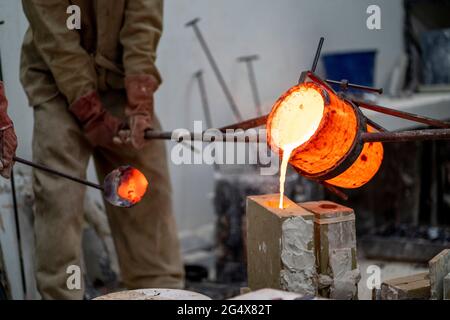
364	168
132	186
319	132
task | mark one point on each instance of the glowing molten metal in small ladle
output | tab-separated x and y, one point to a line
122	187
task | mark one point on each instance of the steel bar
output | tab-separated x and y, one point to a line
205	105
56	172
402	114
317	56
402	136
204	136
342	83
345	84
247	124
248	60
215	67
18	234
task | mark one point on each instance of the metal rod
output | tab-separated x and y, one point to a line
204	136
247	124
414	135
215	68
204	97
248	60
18	235
345	84
205	105
402	136
317	56
244	125
402	114
158	135
56	172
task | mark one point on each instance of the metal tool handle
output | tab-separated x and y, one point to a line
404	136
204	136
58	173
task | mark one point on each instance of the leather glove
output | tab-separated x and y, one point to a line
99	126
8	139
139	110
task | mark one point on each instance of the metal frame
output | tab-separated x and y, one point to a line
443	133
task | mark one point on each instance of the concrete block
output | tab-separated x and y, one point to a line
414	287
447	287
439	268
280	246
335	239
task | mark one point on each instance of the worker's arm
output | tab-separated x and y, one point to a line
71	66
140	36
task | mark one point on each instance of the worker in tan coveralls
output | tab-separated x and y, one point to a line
83	84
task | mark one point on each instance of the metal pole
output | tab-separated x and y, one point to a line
58	173
402	114
205	104
201	86
317	56
402	136
248	60
215	68
203	136
247	124
18	236
414	135
345	85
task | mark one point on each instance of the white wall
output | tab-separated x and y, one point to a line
284	33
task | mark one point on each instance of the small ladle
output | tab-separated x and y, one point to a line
122	187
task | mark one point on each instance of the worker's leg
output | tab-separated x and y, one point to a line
145	235
58	143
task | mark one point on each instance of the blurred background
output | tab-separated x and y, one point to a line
409	57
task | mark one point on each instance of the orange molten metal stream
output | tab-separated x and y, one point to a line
133	186
314	130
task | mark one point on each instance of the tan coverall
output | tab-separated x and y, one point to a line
59	65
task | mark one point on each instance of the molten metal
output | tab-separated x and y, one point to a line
297	117
125	186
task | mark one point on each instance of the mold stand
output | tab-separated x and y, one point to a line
307	248
280	246
335	246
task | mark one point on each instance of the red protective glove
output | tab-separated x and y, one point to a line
139	110
99	126
8	139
